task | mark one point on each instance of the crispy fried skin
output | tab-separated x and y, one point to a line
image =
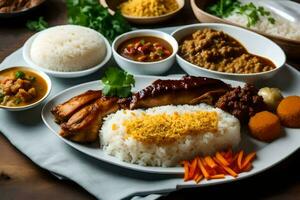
63	112
84	125
188	90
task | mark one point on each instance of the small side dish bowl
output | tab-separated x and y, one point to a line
113	5
44	79
253	42
65	74
140	67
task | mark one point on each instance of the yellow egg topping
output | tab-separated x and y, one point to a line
165	128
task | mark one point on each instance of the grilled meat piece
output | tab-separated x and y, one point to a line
63	112
84	125
188	90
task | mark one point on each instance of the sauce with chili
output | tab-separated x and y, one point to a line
145	49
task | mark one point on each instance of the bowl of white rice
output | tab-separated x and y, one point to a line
67	51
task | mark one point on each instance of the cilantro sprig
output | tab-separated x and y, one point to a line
224	8
91	14
117	82
37	25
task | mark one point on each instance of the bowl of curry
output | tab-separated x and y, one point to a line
23	88
225	51
146	52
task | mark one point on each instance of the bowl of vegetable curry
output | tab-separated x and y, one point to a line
22	88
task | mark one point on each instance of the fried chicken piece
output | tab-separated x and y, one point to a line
63	112
84	125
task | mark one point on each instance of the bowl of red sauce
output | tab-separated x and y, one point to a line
146	52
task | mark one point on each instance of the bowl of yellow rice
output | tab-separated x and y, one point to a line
145	11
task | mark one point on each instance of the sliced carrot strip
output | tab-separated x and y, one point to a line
186	170
210	162
248	167
203	170
218	176
196	176
199	178
218	166
221	159
193	168
230	171
248	159
239	160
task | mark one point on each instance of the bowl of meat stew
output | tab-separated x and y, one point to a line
145	52
225	51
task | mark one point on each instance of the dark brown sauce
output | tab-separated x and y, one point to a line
145	49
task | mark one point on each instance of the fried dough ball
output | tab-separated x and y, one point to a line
289	111
265	126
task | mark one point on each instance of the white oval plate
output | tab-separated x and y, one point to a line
267	154
59	74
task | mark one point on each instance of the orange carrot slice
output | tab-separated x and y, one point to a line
248	167
193	168
248	159
239	160
221	159
186	170
210	162
199	179
218	176
202	168
230	171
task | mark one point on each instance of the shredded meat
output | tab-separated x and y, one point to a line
242	102
217	51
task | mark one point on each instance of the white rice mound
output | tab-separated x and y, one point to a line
68	48
282	27
130	150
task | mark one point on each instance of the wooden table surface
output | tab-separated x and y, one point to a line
22	179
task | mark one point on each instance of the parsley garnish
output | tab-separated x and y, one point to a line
117	83
20	74
18	100
224	8
1	97
91	14
37	25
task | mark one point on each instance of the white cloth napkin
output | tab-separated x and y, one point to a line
26	131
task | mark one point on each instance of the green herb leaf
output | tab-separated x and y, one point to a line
160	52
224	8
37	25
18	100
117	83
31	79
142	42
271	20
20	74
91	14
1	97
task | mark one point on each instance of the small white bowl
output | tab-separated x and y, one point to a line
145	68
74	74
49	87
253	42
